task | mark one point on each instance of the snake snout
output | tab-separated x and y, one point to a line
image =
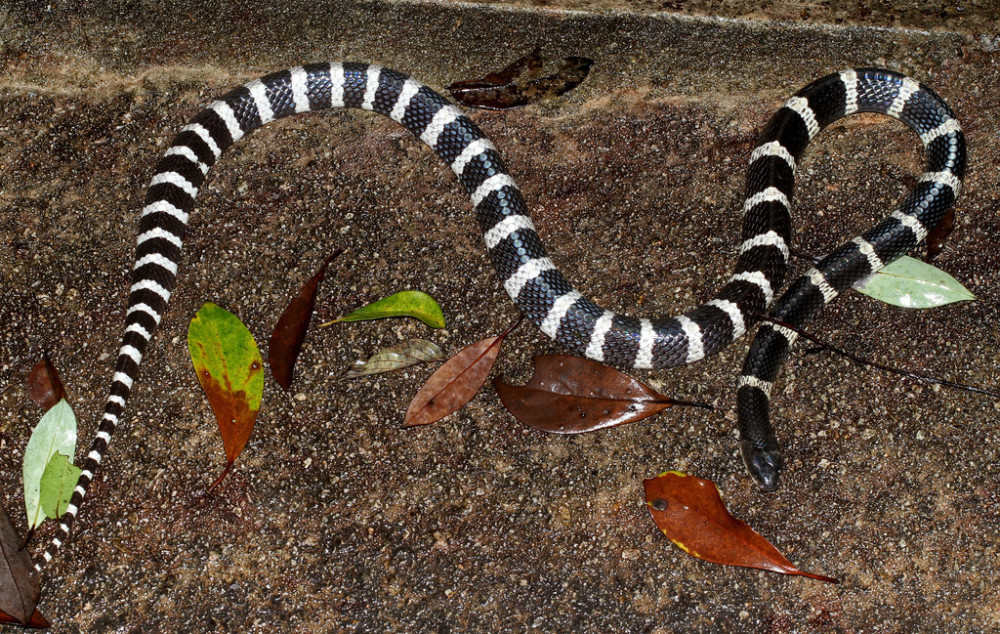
763	465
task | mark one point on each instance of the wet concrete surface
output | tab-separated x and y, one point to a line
337	520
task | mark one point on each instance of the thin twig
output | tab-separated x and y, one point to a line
804	256
880	366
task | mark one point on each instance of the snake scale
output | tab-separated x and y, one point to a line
522	265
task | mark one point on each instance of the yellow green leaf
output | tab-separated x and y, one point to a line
403	304
230	369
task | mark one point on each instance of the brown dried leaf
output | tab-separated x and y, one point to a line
290	331
37	621
521	83
403	355
44	385
19	587
572	395
455	382
690	512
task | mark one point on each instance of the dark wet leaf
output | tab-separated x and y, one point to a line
290	331
573	395
939	235
402	304
455	382
396	357
522	83
19	587
690	512
230	369
528	67
44	385
37	621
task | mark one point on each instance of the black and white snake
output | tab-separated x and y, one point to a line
528	275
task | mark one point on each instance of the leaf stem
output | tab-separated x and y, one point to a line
222	476
674	401
879	366
511	327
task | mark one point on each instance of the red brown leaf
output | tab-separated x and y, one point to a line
37	621
690	512
455	382
573	395
44	385
290	331
19	587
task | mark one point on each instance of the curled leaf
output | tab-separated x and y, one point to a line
55	433
403	304
290	331
58	481
572	395
521	83
230	369
456	381
397	357
690	512
910	283
44	385
19	587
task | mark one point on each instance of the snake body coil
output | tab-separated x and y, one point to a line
514	247
923	207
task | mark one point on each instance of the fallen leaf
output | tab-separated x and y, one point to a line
573	395
456	381
229	367
37	621
910	283
690	512
55	433
528	67
290	331
57	484
939	234
521	83
44	385
19	587
403	304
396	357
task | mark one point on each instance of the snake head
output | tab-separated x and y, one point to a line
763	464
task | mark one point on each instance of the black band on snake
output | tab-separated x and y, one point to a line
514	247
923	207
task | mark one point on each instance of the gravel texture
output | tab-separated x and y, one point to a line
336	519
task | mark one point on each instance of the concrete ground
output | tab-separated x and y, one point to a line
337	520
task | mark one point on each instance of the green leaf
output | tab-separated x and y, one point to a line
910	283
55	433
58	481
403	304
230	369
